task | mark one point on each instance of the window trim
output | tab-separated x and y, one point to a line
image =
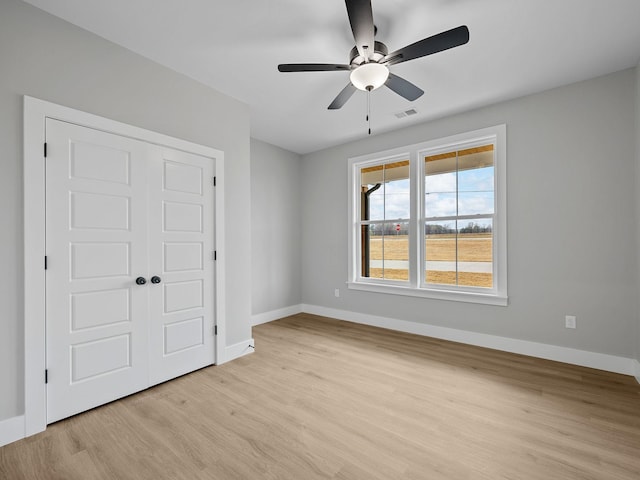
413	288
403	156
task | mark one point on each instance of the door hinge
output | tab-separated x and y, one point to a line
214	181
46	262
215	330
46	376
45	149
215	255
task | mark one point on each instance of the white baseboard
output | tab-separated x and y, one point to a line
11	430
572	356
238	350
265	317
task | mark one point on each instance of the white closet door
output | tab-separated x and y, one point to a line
97	339
181	234
121	211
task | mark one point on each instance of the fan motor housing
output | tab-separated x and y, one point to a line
380	51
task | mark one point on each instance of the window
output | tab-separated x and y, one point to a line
384	221
430	219
459	208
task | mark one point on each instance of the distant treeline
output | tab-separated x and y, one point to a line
429	229
471	227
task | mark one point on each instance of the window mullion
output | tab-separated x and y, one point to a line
384	216
457	213
414	221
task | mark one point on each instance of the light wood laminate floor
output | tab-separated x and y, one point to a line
321	398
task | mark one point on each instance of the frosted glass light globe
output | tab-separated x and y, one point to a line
369	76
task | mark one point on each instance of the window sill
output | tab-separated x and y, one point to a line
468	297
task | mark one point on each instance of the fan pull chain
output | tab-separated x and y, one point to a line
369	109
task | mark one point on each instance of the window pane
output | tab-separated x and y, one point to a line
376	202
475	253
388	253
440	249
475	203
372	250
440	186
397	199
396	251
475	181
385	191
459	182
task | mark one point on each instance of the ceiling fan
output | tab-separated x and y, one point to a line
370	60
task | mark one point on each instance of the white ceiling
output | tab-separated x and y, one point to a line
516	47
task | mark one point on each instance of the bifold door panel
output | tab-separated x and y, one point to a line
119	209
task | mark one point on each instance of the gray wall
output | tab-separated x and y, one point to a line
571	220
276	195
638	208
47	58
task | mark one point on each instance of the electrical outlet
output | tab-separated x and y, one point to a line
570	321
336	292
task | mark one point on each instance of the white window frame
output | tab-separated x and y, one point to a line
372	163
416	286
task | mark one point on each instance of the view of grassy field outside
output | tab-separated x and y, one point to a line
471	247
458	217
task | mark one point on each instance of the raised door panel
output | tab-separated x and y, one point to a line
99	260
97	338
100	308
183	296
183	256
114	211
181	217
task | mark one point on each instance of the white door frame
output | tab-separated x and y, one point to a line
35	113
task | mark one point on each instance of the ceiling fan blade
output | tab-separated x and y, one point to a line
361	20
403	87
428	46
342	97
312	67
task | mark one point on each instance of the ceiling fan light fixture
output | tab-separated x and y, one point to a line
369	76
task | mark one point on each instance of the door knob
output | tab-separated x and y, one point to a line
155	279
141	280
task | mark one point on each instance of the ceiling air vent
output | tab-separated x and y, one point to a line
406	113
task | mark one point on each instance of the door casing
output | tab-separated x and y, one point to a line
35	114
